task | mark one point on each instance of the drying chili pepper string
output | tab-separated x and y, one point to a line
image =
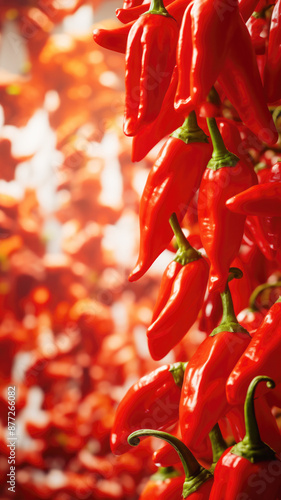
224	186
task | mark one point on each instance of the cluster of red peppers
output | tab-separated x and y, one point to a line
207	73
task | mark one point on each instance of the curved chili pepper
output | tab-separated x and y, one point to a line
212	28
263	200
181	296
272	70
166	484
170	186
241	82
258	228
198	481
114	39
242	465
152	402
203	397
221	234
261	356
167	121
149	64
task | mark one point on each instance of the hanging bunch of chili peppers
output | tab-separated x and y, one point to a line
207	73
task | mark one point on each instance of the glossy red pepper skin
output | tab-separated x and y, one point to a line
210	313
114	39
258	28
184	58
240	77
203	397
212	29
167	121
261	356
176	10
238	470
170	186
149	64
151	403
246	8
272	70
166	456
263	200
221	234
236	477
163	489
250	320
181	308
258	229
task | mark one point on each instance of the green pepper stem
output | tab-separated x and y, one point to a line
157	7
190	131
258	291
252	447
221	157
190	465
182	242
186	253
218	443
229	321
252	430
227	306
217	140
191	122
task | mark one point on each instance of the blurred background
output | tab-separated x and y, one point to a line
72	330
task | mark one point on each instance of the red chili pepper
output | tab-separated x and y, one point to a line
180	298
212	28
269	430
167	121
258	229
169	188
203	397
152	402
198	481
262	356
258	27
150	61
240	77
247	7
114	39
210	313
167	455
263	200
240	469
221	234
252	317
176	10
166	484
272	70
